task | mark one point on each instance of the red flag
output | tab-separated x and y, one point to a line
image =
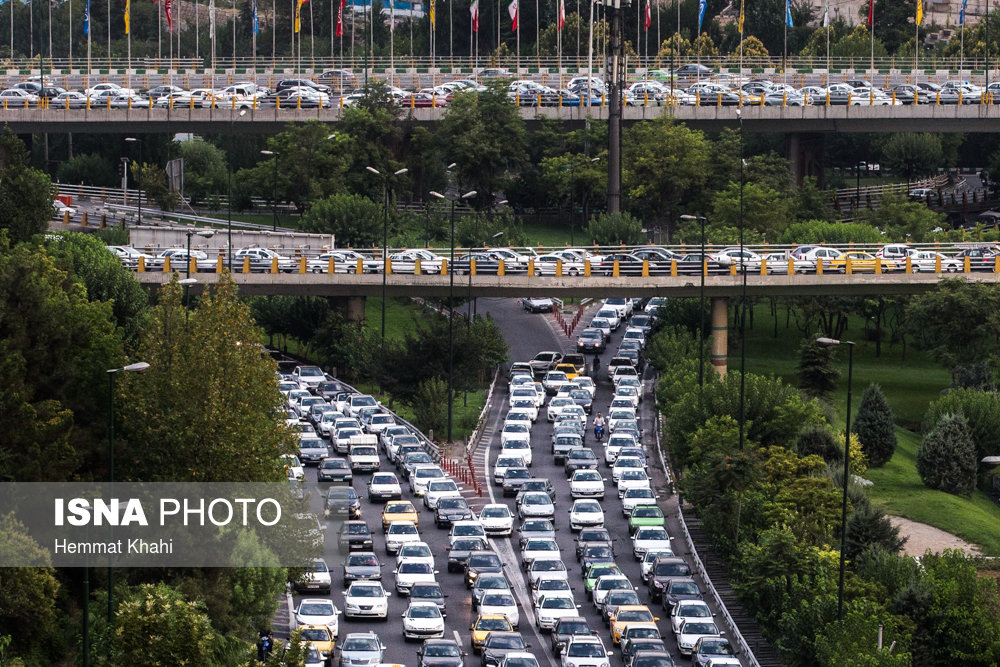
512	10
871	12
649	17
168	5
340	19
562	15
474	10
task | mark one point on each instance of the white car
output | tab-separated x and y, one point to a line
650	538
497	519
748	261
415	551
514	432
526	405
518	448
646	564
545	265
317	611
552	608
692	630
587	484
927	261
423	620
406	261
500	602
585	651
400	533
555	587
366	599
623	463
574	412
554	381
611	315
556	406
384	486
615	443
438	489
635	497
686	610
619	415
586	514
379	423
316	576
546	569
633	478
421	476
294	466
502	464
410	572
535	504
526	391
539	548
364	458
607	583
466	530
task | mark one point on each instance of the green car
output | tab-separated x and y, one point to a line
646	515
595	571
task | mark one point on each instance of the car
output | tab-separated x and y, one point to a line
539	548
459	551
649	537
545	587
513	481
517	449
623	463
516	659
536	528
709	649
597	553
497	519
466	529
411	459
354	535
361	648
646	564
312	450
399	510
553	381
605	583
364	458
449	510
422	620
680	590
366	599
514	432
500	603
483	625
317	611
319	638
437	489
334	471
630	616
564	443
591	339
928	261
617	598
646	515
315	578
565	629
687	609
546	569
535	504
399	533
440	653
663	571
635	497
691	630
543	362
584	651
384	486
486	583
582	458
537	304
552	608
342	501
362	566
585	513
586	483
412	571
861	262
481	563
429	591
589	536
415	551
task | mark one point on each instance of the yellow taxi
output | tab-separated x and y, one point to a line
319	637
569	369
630	615
861	262
484	625
399	510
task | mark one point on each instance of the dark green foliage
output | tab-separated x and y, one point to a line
912	155
610	229
946	459
817	374
821	441
353	220
821	231
25	192
975	305
88	169
981	410
875	427
204	169
869	527
430	406
977	376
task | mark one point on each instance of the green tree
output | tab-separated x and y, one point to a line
869	526
353	220
912	155
975	305
765	212
152	180
820	441
430	406
204	169
88	169
981	410
875	427
25	192
853	642
822	231
207	408
902	219
817	375
27	595
611	229
946	459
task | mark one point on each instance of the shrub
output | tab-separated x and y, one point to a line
875	427
607	229
821	441
817	375
946	459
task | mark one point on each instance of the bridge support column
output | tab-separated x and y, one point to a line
351	307
805	156
720	333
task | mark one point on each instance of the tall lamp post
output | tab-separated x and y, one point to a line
274	193
385	234
204	233
138	367
451	302
701	333
831	342
138	188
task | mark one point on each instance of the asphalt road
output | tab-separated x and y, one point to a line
526	334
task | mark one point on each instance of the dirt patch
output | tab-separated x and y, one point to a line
921	537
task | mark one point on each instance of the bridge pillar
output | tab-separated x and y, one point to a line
351	307
805	156
720	333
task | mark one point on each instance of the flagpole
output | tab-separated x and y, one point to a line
826	24
128	33
392	39
784	51
88	35
538	18
159	33
916	39
108	56
558	40
70	31
871	28
590	60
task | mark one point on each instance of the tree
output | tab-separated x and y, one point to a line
946	459
27	594
981	410
430	406
869	526
975	305
353	220
765	212
207	408
152	180
912	155
25	192
853	642
204	169
817	375
876	427
820	441
751	48
822	231
88	169
902	219
610	229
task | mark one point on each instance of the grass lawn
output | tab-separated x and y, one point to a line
552	235
909	386
400	315
898	488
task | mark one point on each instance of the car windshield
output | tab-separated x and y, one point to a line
515	427
316	634
402	529
588	476
384	478
582	454
497	600
553	585
484	560
672	569
538	525
515	473
452	503
537	499
357	529
541	545
399	508
426	591
558	603
505	641
319	566
684	588
468	530
521	662
716	647
415	568
358	560
442	485
316	609
424	611
366	591
466	545
651	534
646	512
637	615
694	611
429	473
493	624
585	650
442	651
634	474
333	464
548	566
415	551
599	552
495	512
587	508
609	583
691	628
361	644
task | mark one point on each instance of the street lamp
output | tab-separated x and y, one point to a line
138	188
274	195
204	233
831	342
701	333
385	234
229	202
451	299
138	367
187	282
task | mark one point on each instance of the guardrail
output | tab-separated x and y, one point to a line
877	190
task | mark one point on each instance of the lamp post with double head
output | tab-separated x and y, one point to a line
832	342
274	191
385	233
138	181
451	302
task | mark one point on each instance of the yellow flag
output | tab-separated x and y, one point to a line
298	14
920	11
742	16
432	13
128	15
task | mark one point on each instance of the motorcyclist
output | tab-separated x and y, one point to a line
599	426
265	644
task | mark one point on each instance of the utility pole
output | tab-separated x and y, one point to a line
615	67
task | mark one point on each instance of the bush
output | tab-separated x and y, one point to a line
946	459
817	375
982	411
608	229
875	427
88	169
430	406
820	441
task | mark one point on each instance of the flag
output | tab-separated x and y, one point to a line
826	15
788	14
512	10
474	10
701	13
432	3
86	18
961	13
340	19
128	15
649	18
871	13
298	15
562	15
920	11
211	18
254	23
742	17
168	5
